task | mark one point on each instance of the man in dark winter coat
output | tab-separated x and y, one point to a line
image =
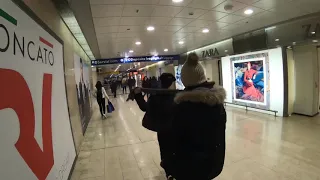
198	126
158	114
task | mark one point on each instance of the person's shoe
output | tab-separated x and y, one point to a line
104	115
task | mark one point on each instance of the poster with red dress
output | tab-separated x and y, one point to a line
251	80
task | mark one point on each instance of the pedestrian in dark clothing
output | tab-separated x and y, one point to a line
131	83
124	83
114	87
158	112
198	126
145	84
154	82
101	95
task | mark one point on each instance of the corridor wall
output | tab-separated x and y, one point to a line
265	90
47	12
306	82
211	69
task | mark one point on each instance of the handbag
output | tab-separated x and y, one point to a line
110	107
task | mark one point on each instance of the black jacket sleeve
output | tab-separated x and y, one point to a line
141	102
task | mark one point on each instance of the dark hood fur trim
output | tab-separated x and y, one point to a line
211	97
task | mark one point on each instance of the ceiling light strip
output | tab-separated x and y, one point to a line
73	26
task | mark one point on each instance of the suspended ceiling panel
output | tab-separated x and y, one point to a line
120	23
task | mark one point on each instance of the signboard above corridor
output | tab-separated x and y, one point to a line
121	60
215	50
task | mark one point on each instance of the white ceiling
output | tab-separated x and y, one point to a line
173	23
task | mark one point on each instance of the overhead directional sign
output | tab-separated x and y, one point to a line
121	60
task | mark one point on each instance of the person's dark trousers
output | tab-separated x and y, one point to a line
114	93
130	88
124	89
165	145
102	106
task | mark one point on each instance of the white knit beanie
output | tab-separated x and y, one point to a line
192	72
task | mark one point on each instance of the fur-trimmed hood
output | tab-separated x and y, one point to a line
208	96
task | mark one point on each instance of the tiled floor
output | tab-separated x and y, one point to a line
259	147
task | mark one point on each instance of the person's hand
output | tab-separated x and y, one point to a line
137	90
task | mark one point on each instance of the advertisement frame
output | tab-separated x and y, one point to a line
25	8
263	59
85	124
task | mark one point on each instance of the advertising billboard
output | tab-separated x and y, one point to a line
82	77
36	138
251	80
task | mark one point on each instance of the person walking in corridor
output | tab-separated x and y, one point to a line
158	114
145	84
124	84
130	83
198	126
101	95
114	87
153	82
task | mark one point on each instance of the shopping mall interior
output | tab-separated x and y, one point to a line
264	55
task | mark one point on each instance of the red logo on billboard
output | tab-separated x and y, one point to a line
15	94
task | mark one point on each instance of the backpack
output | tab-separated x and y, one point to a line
99	95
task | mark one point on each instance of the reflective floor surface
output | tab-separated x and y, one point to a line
259	147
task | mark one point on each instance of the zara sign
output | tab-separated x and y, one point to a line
210	53
215	50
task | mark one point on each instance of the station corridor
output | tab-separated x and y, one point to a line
259	147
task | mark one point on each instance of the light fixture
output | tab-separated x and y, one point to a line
131	51
75	29
294	43
138	43
248	11
165	50
277	40
205	30
117	68
313	32
289	47
181	42
315	41
226	50
150	28
270	28
177	1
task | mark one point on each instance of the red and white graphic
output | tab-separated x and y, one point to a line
11	95
35	131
